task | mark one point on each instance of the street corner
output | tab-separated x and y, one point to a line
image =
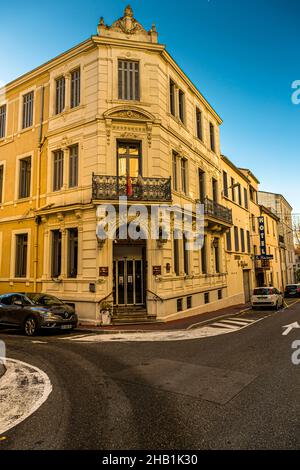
23	389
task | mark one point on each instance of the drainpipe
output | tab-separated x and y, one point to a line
38	191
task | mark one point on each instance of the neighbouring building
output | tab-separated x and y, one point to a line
280	207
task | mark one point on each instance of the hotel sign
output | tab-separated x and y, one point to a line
262	236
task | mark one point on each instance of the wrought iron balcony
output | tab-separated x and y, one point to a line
217	211
144	189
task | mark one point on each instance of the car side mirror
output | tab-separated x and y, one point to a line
19	303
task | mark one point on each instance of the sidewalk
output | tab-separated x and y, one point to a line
181	324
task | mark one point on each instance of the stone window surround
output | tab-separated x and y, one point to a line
13	253
65	72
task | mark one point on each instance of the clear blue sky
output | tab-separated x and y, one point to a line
243	56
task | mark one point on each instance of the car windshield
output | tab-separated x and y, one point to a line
263	291
42	299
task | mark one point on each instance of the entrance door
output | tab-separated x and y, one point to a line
128	282
246	279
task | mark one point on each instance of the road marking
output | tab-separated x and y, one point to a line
39	342
23	389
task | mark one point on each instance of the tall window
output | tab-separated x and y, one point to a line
1	182
201	186
60	89
129	80
25	177
75	88
203	257
21	255
181	105
27	117
56	253
212	137
239	194
58	170
176	255
232	189
236	239
242	240
246	198
215	190
253	223
2	120
186	262
172	98
217	255
228	240
174	171
184	175
199	124
225	184
73	166
72	252
248	242
129	159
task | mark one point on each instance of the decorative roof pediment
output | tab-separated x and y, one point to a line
129	113
127	25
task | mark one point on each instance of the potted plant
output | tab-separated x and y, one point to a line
106	311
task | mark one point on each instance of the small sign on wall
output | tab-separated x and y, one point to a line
156	270
103	271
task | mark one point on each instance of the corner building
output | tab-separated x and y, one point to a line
71	133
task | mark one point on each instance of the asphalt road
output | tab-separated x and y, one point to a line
234	391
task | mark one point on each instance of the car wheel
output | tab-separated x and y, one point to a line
30	326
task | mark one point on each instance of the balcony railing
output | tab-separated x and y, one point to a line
217	211
143	189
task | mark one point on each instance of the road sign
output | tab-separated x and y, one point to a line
264	257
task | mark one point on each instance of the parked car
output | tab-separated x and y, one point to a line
267	297
292	290
32	312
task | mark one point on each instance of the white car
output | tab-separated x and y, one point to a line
267	297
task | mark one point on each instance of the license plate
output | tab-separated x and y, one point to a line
66	327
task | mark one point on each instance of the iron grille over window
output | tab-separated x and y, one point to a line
56	253
75	88
2	120
21	255
73	166
27	119
72	252
25	177
60	84
58	170
129	81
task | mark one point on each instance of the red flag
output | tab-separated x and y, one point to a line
129	190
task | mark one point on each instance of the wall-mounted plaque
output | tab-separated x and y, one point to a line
103	271
156	270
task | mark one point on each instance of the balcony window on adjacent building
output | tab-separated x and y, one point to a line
56	253
1	182
183	164
242	240
225	184
176	256
228	240
201	178
174	171
217	254
199	124
58	169
186	254
21	255
212	137
248	242
27	115
129	80
246	198
25	177
236	239
172	98
75	88
72	252
60	93
129	159
73	166
2	120
181	106
204	256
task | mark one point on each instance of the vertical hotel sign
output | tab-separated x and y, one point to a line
262	236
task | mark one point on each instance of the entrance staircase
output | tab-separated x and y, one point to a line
131	315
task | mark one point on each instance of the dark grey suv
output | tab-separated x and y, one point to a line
31	312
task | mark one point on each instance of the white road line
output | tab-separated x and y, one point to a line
234	322
224	325
23	389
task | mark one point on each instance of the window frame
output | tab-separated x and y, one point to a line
3	120
73	177
60	101
22	193
199	124
75	88
27	119
56	187
132	86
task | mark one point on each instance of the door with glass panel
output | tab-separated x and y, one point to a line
128	282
